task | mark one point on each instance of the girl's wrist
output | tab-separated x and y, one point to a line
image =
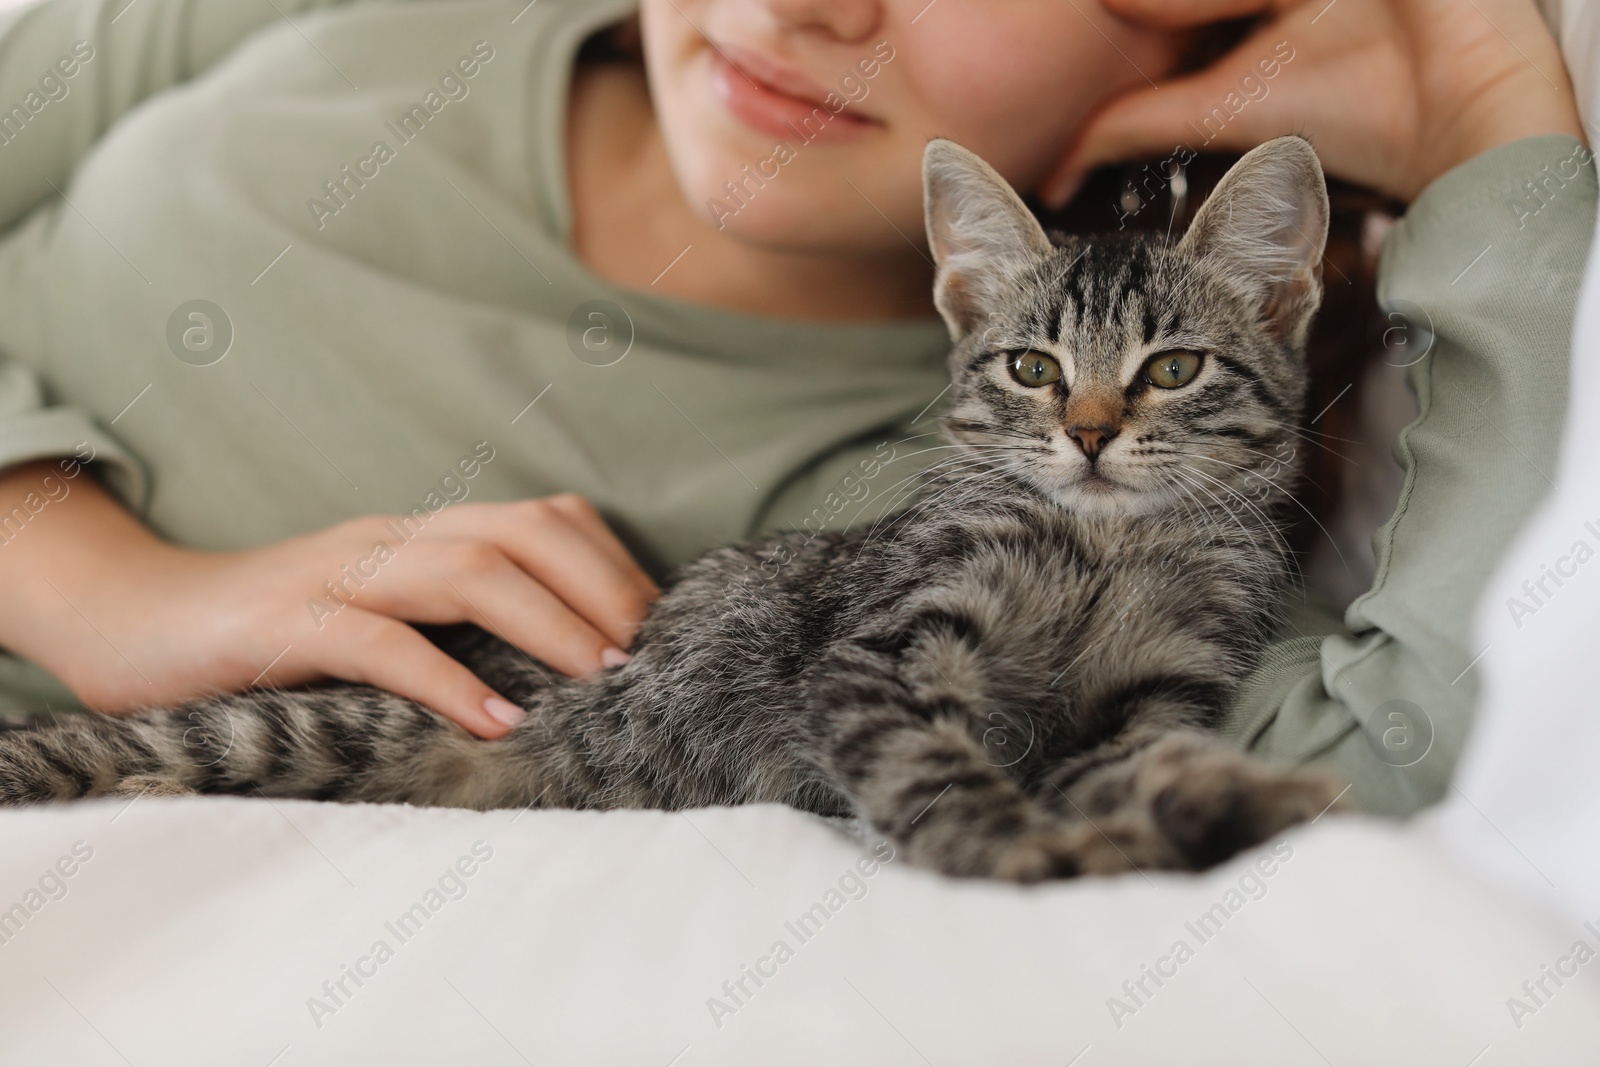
71	547
1501	120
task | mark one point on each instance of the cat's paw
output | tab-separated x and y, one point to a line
1051	848
1208	801
1072	848
1018	846
1040	854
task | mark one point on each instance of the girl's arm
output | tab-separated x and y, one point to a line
127	620
1485	274
69	69
1465	109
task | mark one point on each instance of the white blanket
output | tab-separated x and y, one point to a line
202	932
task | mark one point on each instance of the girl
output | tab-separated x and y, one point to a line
367	315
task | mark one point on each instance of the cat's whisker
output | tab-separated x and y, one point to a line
928	471
940	497
968	457
1282	550
1232	515
956	422
932	469
1268	526
964	452
1310	438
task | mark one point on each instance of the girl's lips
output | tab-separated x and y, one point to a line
760	104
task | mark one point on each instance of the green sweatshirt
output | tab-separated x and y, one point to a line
270	271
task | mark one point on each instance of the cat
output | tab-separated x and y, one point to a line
1013	678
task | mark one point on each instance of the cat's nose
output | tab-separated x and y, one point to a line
1092	439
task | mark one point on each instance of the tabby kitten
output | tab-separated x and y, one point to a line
1011	679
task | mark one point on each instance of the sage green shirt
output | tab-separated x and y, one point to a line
276	270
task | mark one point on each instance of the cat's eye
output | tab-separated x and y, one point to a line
1035	369
1171	370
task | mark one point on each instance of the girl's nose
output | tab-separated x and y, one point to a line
847	20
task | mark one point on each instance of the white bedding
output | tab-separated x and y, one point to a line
198	932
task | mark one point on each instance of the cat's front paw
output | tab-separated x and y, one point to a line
1019	846
1049	848
1208	801
1037	855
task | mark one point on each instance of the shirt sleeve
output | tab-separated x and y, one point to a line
69	69
1482	274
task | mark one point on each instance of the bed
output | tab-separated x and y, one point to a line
228	931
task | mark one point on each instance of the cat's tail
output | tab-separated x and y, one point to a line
76	754
334	743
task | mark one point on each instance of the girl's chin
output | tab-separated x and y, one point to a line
765	226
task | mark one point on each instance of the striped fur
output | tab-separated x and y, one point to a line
1011	678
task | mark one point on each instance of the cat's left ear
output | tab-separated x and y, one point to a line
1265	225
980	231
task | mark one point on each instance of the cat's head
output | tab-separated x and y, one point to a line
1126	374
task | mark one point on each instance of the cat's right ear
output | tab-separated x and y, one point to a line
980	231
1265	226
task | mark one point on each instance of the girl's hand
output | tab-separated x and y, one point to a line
132	621
1392	93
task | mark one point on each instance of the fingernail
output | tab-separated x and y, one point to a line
502	710
613	657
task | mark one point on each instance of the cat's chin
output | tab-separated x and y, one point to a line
1086	492
1102	498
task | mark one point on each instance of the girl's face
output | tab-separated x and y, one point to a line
799	124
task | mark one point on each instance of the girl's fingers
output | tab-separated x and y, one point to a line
571	565
518	609
582	571
383	652
583	515
475	581
580	568
1151	124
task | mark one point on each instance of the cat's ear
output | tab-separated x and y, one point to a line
1265	226
980	232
